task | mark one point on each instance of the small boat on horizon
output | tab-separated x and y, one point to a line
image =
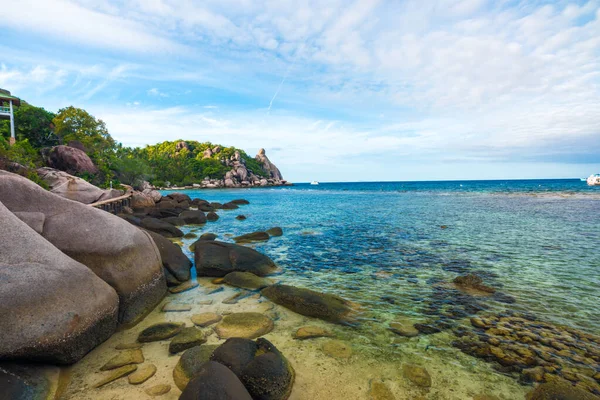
314	183
593	180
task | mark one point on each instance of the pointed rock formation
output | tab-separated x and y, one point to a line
268	166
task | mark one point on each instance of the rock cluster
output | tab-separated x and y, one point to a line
539	351
123	256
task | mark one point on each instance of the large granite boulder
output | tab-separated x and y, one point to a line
71	160
313	304
74	188
215	381
122	255
172	257
214	258
267	166
54	309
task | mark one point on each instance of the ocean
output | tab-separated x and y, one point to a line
395	248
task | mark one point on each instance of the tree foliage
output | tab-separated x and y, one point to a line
178	162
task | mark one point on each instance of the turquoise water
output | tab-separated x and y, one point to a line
394	248
382	245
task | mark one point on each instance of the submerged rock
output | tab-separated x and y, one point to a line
142	374
116	374
52	308
403	329
472	281
337	349
206	319
190	363
559	390
247	280
240	217
215	381
125	357
218	259
252	237
159	331
158	390
378	390
311	332
275	231
417	375
240	201
174	307
247	325
185	286
187	338
312	304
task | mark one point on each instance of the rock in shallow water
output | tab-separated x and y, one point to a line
116	374
214	381
247	280
252	237
312	304
124	357
263	370
142	374
158	390
190	363
403	329
174	307
378	390
206	319
248	325
417	375
217	259
187	338
311	332
275	231
160	331
337	349
185	286
559	390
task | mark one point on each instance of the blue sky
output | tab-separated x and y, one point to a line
333	90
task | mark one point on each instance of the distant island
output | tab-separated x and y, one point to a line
75	142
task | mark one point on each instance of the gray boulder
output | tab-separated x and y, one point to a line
215	382
54	309
161	227
122	255
172	257
74	188
214	258
193	217
70	160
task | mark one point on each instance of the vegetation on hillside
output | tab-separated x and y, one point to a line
37	130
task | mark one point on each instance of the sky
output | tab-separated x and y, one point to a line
334	90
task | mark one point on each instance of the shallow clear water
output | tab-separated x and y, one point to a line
383	246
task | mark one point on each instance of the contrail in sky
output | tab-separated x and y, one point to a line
283	80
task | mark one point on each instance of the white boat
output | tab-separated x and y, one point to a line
594	180
314	183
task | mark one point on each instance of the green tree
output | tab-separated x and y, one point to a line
35	125
73	123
